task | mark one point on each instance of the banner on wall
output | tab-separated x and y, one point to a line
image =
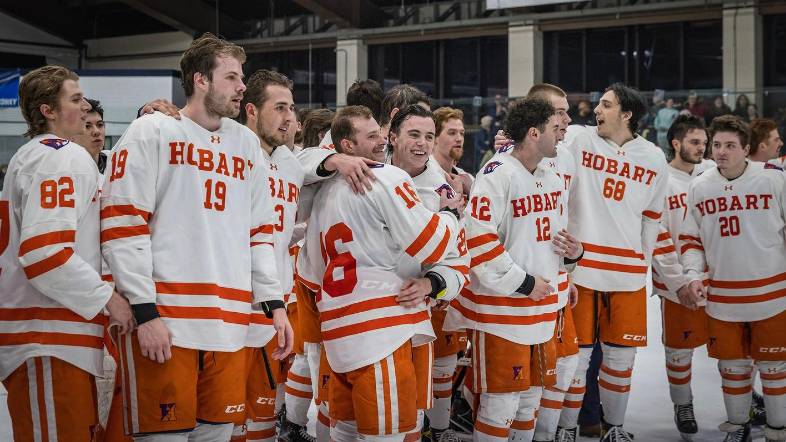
9	88
502	4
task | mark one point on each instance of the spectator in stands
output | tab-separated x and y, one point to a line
717	109
483	139
665	116
741	107
584	115
753	113
695	106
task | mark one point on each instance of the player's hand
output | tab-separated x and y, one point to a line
120	313
285	334
354	169
573	295
566	245
414	292
155	340
501	140
441	305
541	290
164	106
691	294
450	199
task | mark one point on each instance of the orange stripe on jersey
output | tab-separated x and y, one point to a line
47	264
254	244
550	403
440	250
664	250
678	368
265	229
613	251
424	236
505	319
124	210
50	338
107	278
773	391
488	256
508	301
737	390
687	247
198	288
48	314
481	239
292	392
747	284
679	381
663	236
374	324
124	232
612	266
358	307
684	237
259	318
650	214
178	312
46	239
462	269
299	379
750	299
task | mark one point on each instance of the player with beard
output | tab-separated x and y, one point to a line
411	141
734	230
193	285
269	111
615	208
684	322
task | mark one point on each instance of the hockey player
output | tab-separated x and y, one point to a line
615	208
411	142
269	111
766	142
192	285
363	297
735	226
51	291
517	240
684	322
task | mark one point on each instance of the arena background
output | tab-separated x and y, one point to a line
471	54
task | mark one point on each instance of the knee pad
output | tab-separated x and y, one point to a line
618	358
445	366
735	366
566	370
498	409
344	431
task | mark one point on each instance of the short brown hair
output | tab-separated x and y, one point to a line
545	90
341	128
399	97
443	114
760	131
318	120
41	86
201	56
730	123
256	86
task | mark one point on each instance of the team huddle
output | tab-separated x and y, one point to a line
411	293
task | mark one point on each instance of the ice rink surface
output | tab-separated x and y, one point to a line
650	413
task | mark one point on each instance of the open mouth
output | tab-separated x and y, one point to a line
418	153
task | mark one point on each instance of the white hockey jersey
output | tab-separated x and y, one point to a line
780	161
363	238
565	167
454	268
615	208
187	223
510	220
737	228
285	178
51	292
668	275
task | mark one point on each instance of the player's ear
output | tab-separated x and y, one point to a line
47	111
251	110
346	146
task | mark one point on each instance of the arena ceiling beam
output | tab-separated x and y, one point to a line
191	17
347	13
46	15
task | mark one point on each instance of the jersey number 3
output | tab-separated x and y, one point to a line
332	283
